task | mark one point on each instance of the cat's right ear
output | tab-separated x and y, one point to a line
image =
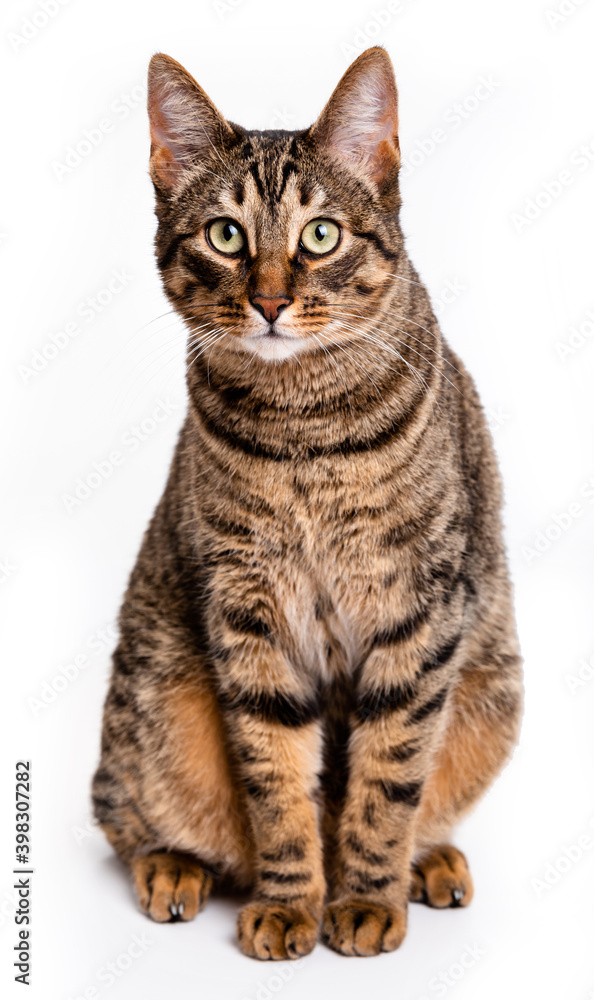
186	127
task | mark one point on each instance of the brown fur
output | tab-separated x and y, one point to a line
318	671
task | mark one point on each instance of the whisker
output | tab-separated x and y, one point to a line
389	326
337	366
410	280
419	379
422	356
345	350
390	350
218	335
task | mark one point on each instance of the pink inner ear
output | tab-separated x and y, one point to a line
185	125
168	108
167	152
370	119
360	122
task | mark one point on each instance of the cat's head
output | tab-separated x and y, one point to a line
275	243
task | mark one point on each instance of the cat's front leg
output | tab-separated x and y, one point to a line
272	715
399	712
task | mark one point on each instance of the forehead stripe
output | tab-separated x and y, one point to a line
253	169
239	192
288	169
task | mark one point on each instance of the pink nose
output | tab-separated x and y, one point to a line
270	308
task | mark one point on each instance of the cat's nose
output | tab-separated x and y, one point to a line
270	307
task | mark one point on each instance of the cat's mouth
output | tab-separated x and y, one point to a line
273	333
273	344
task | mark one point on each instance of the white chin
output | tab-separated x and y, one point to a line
274	348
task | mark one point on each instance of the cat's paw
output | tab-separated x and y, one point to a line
266	931
357	927
170	886
441	878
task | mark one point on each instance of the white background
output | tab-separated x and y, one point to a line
519	289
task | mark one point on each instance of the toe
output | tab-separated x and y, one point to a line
356	927
170	887
441	878
268	932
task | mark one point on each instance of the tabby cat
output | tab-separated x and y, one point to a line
317	673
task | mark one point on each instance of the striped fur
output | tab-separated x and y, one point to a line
318	671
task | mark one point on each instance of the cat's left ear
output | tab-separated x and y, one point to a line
186	127
359	124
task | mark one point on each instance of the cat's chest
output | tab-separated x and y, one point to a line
350	585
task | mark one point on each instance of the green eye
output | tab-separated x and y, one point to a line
320	236
226	236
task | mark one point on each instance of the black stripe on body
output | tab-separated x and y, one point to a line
369	857
248	755
406	793
435	704
237	396
285	878
347	446
402	752
441	656
362	882
103	805
286	710
459	579
400	534
282	898
371	705
291	850
128	661
103	775
228	527
369	813
247	622
256	789
400	632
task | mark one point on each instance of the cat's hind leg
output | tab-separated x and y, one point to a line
440	877
170	886
479	737
165	797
